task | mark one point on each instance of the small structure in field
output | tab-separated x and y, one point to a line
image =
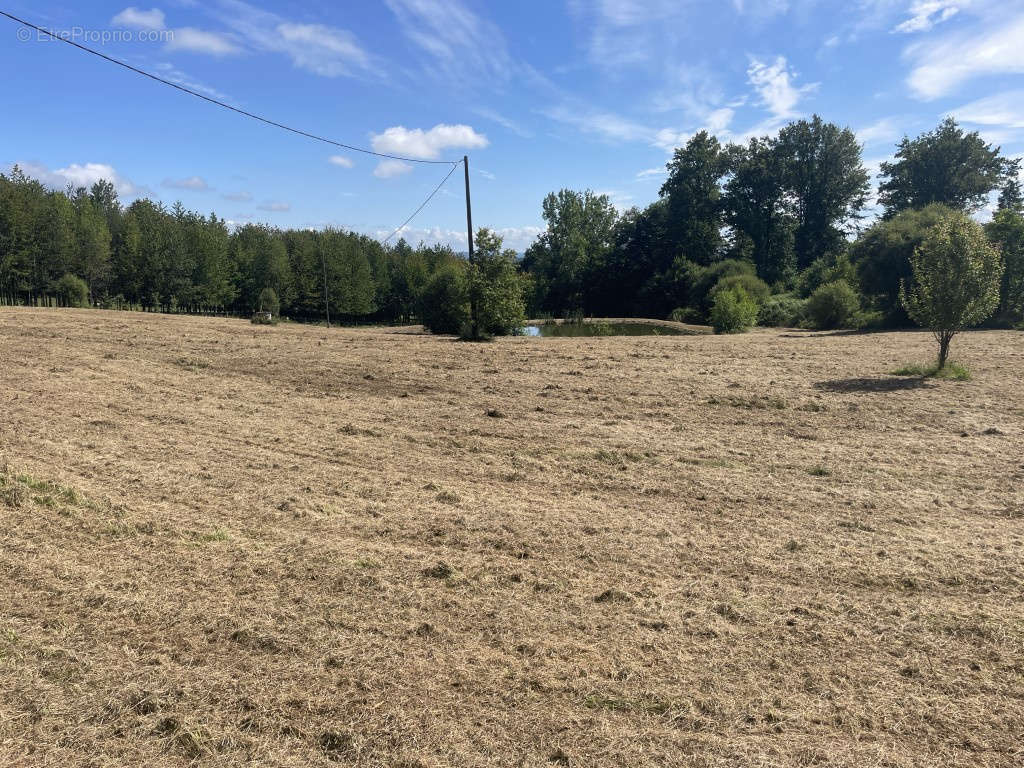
263	318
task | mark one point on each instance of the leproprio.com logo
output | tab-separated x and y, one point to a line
98	36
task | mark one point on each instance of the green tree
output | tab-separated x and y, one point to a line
956	280
828	183
494	288
882	256
1006	232
444	303
946	166
268	302
759	209
832	305
72	291
693	191
567	256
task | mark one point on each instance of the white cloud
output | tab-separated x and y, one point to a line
925	14
607	125
650	173
427	145
941	66
83	175
322	50
1001	109
880	131
341	161
238	197
487	175
132	17
388	169
192	183
200	41
275	207
774	84
459	43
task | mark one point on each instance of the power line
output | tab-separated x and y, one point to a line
218	103
429	198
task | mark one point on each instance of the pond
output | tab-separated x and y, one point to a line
601	328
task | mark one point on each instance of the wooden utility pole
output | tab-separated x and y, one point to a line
327	304
469	232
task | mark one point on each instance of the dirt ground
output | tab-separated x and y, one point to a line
228	545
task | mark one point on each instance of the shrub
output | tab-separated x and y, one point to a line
444	303
833	305
72	291
782	311
268	302
756	288
733	311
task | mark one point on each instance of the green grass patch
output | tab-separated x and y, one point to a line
951	370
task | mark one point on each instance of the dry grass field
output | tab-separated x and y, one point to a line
225	545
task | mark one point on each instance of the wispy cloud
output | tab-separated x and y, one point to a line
881	131
504	122
317	48
133	18
1004	109
925	14
774	83
341	161
238	197
606	125
458	43
192	183
274	206
200	41
940	66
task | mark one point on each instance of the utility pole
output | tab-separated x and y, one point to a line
327	304
469	232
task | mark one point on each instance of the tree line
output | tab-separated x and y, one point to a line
781	219
769	231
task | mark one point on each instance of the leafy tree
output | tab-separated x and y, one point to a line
494	289
568	255
72	291
733	311
444	303
693	193
1006	231
956	280
944	166
268	302
823	172
882	256
833	305
759	209
1010	197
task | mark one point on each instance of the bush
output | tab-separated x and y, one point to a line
268	302
756	288
444	303
733	311
72	291
782	311
833	305
496	287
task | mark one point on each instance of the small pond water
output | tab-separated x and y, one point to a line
603	329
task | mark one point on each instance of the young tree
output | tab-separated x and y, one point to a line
944	166
495	288
1006	231
956	280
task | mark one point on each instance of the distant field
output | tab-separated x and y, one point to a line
229	545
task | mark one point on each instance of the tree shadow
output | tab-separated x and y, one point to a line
891	384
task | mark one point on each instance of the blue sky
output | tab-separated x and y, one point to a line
540	94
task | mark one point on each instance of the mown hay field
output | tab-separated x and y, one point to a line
227	545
